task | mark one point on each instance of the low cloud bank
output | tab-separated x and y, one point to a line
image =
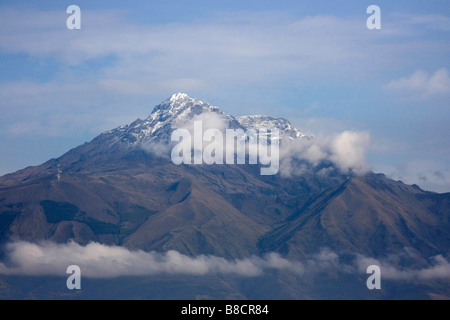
439	269
101	261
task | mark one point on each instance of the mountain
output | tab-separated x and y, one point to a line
122	189
118	193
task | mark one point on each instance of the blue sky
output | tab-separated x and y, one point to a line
314	62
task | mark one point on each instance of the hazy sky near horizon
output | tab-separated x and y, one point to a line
315	63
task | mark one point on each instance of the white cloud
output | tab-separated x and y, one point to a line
439	269
424	84
347	150
101	261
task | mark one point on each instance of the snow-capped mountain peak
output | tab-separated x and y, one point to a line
177	102
179	109
179	105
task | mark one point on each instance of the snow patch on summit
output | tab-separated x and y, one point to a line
263	122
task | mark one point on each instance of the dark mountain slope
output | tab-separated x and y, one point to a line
370	215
